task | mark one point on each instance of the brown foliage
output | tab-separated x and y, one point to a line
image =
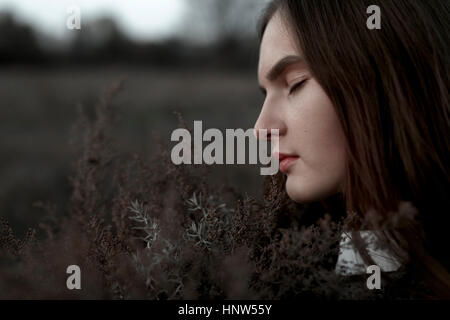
143	229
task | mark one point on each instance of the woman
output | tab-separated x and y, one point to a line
365	114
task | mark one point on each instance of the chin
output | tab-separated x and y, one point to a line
304	194
296	192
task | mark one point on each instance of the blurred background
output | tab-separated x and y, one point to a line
198	57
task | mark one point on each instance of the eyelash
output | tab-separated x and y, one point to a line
296	86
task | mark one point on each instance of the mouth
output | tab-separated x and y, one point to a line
286	160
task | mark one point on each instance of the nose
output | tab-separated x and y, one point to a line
269	119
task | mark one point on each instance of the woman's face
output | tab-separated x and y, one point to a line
309	129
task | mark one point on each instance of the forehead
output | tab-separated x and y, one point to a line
275	45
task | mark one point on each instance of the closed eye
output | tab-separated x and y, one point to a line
296	86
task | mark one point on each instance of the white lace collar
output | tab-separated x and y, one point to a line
350	262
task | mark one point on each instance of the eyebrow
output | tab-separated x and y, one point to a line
281	65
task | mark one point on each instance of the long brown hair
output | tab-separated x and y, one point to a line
390	89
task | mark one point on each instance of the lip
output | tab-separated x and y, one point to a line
286	160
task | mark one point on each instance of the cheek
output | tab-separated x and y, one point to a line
316	129
305	184
321	144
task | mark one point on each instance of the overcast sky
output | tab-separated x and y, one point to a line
140	19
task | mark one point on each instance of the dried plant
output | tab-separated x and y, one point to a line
152	230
